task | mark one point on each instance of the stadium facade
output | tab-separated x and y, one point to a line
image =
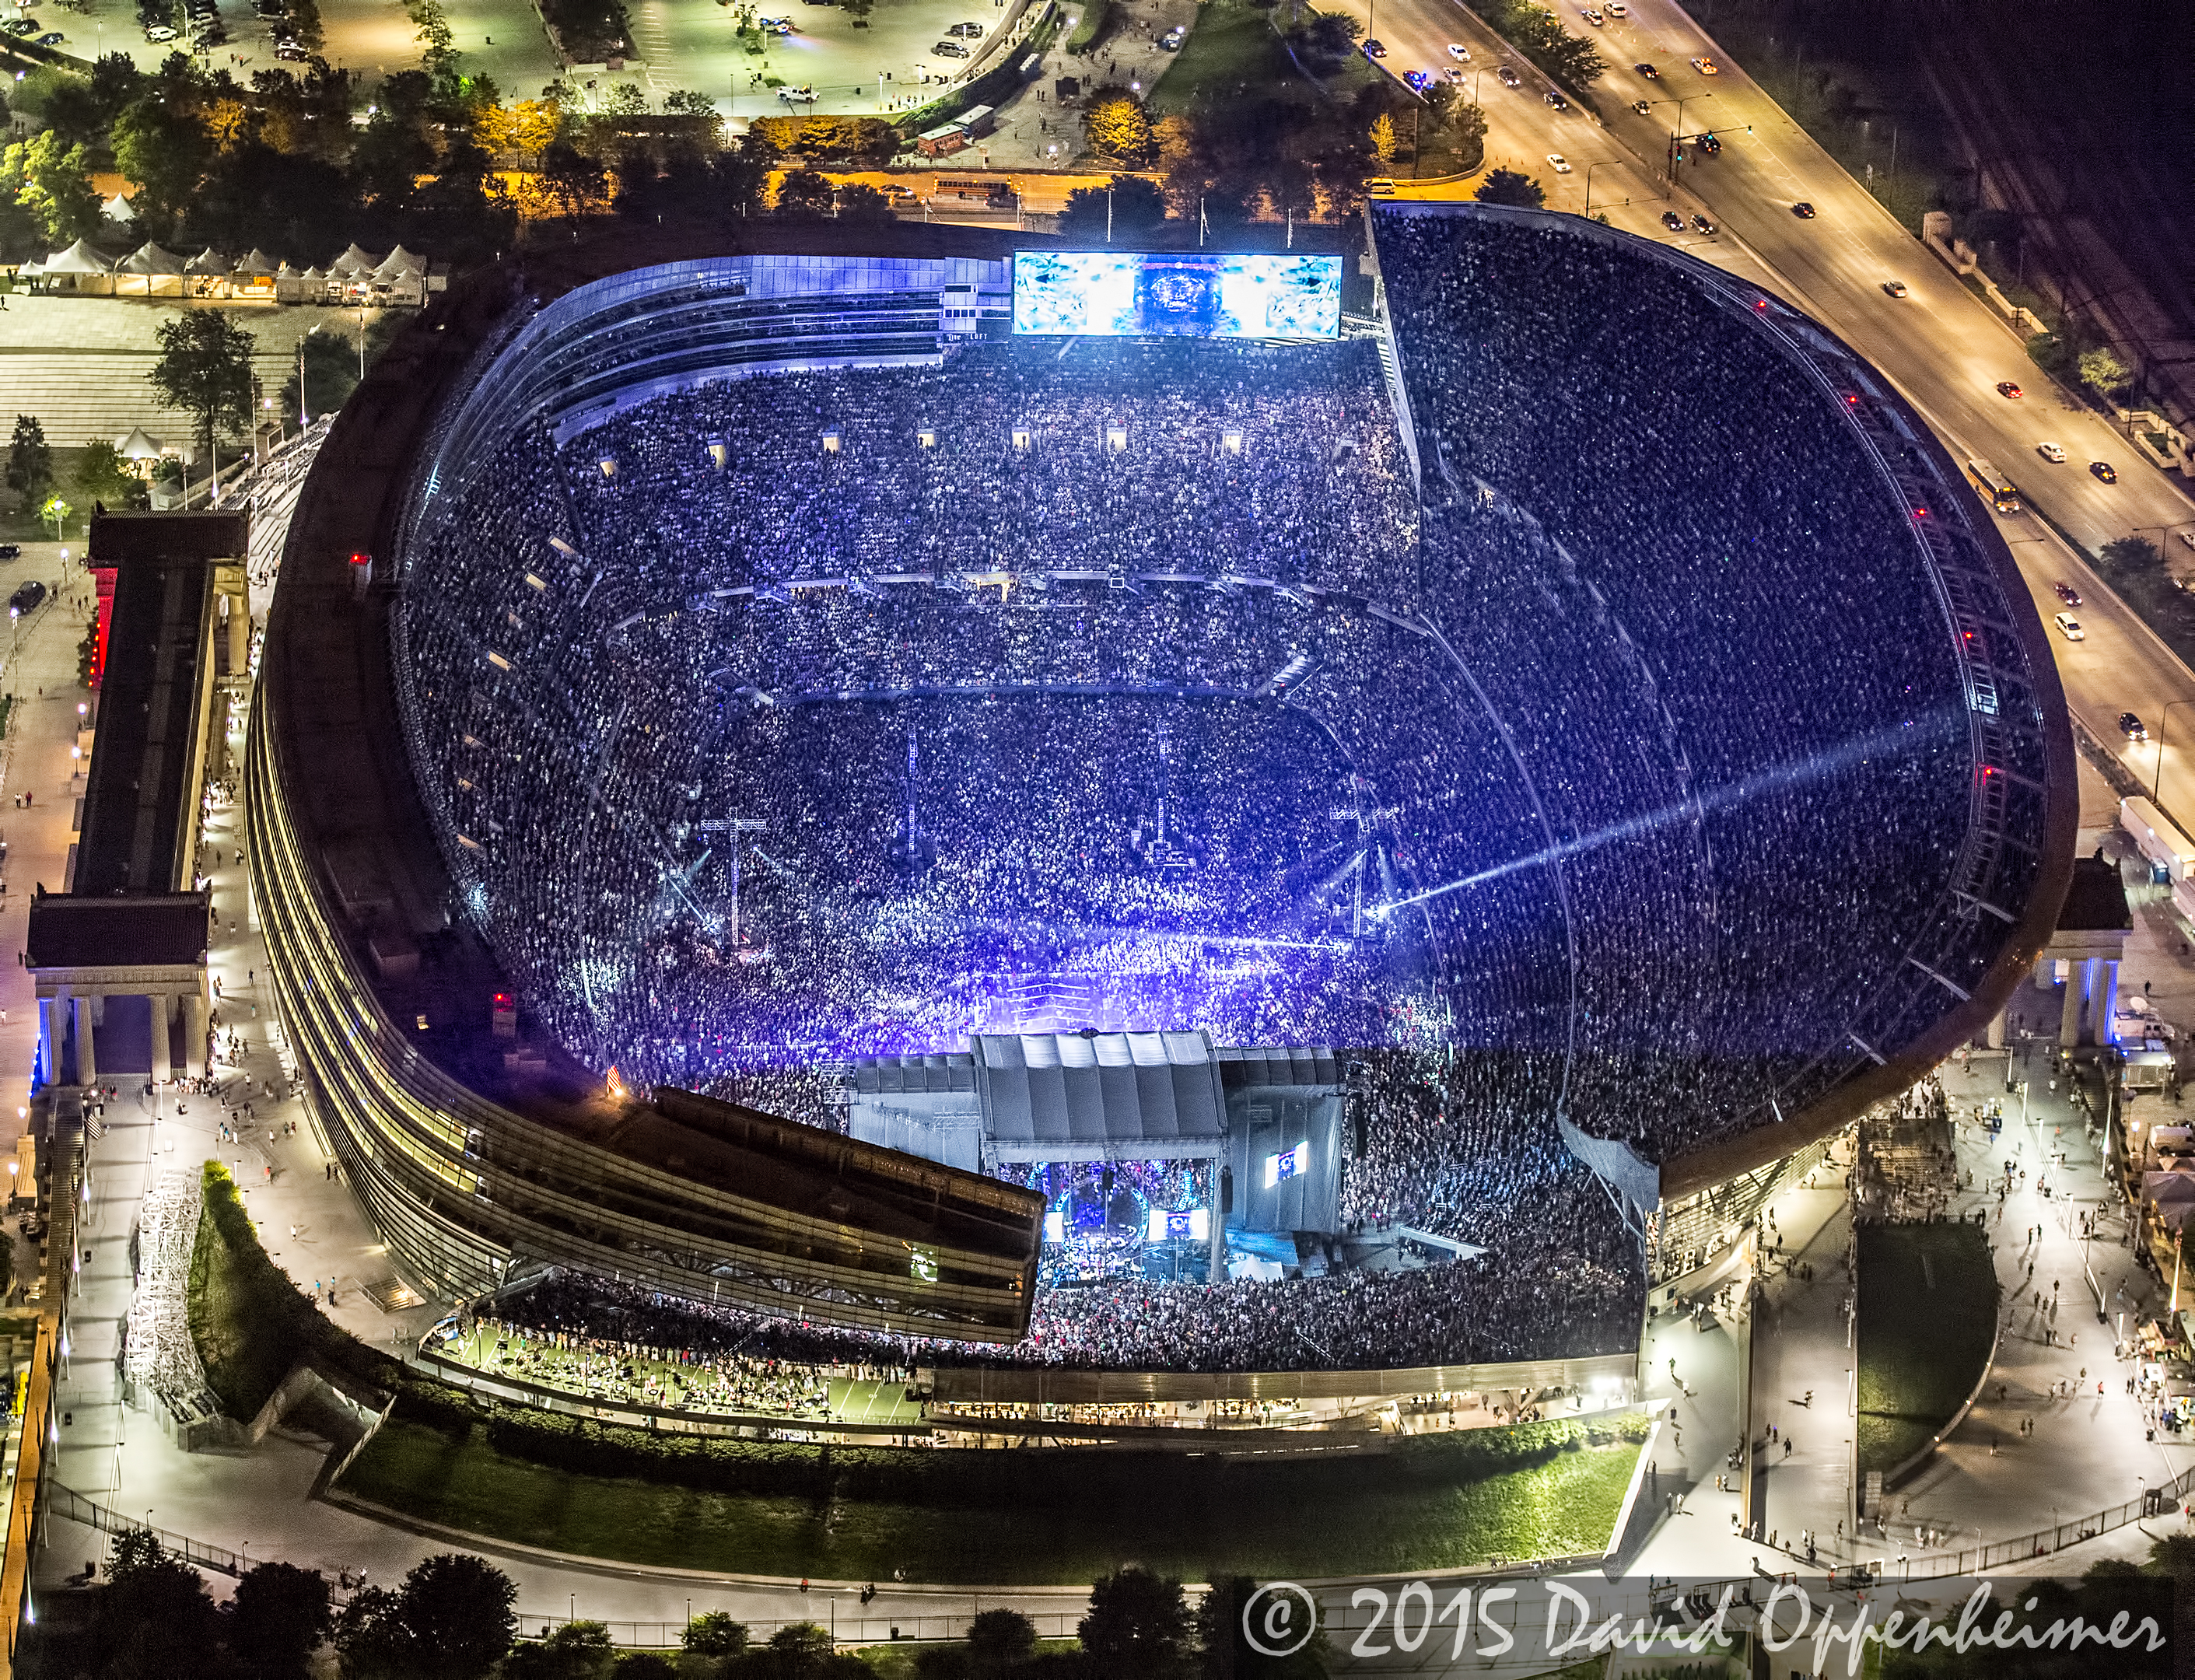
1692	952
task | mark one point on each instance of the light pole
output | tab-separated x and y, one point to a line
1601	163
2157	781
1677	134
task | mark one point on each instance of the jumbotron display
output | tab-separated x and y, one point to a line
1190	295
796	687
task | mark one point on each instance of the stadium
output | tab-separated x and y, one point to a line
1040	813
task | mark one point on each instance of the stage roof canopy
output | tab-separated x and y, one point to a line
1063	1096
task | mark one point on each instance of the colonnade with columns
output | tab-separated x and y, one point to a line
72	1005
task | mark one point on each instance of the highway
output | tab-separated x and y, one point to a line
1945	348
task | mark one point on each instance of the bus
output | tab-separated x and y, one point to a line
1994	487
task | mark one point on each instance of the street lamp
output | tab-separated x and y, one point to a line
2157	781
1599	163
1678	133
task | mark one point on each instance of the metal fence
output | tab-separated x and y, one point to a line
846	1630
75	1508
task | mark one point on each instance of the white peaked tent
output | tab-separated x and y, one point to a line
353	264
257	265
161	271
398	263
139	446
117	208
149	259
78	259
208	262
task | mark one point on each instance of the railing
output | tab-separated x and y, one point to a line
75	1508
867	1629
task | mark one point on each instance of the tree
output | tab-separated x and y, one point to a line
156	14
645	1665
1507	186
1382	136
575	1651
863	203
30	461
1116	125
156	1617
304	18
451	1620
999	1638
1138	1625
1226	1654
430	27
714	1634
804	196
53	182
205	369
859	10
626	99
523	129
277	1619
1326	40
689	102
101	475
1131	207
166	149
2132	555
575	183
2104	373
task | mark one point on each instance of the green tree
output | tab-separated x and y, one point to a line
1136	206
102	476
1225	1654
997	1639
2132	555
689	102
714	1634
304	16
575	183
1325	39
430	27
1116	125
53	182
166	149
864	205
575	1651
277	1619
644	1666
1382	138
451	1620
626	99
155	1617
2104	373
30	461
1508	186
156	14
804	196
1137	1626
205	369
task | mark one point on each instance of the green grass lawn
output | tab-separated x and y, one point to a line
1271	1519
1231	53
1927	1307
244	1356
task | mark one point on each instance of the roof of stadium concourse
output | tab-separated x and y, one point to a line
138	829
2096	900
350	790
1054	1096
143	930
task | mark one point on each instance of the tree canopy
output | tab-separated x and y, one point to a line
1508	186
205	369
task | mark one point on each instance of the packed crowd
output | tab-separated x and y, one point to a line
677	1375
1615	783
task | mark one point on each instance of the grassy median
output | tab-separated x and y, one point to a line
1927	1316
1184	1516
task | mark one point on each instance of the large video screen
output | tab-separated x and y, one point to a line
1195	294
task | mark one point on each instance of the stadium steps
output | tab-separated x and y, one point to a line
80	396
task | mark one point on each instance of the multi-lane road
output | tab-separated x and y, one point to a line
1946	349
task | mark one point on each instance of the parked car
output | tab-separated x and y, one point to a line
1375	49
1171	41
774	25
28	597
11	550
950	49
2051	452
20	25
1418	79
289	52
972	32
159	34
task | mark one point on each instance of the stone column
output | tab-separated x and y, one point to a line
1995	1038
2069	1019
2046	973
240	632
49	1038
87	1059
163	1013
195	1030
2103	999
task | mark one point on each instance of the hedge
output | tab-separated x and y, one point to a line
272	1325
1023	1479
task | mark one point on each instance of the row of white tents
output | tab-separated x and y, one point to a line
356	276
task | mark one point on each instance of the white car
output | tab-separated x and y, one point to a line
2068	627
1592	15
1459	52
1615	9
1455	73
1558	163
2051	452
158	33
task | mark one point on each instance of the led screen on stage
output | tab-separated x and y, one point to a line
1195	295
